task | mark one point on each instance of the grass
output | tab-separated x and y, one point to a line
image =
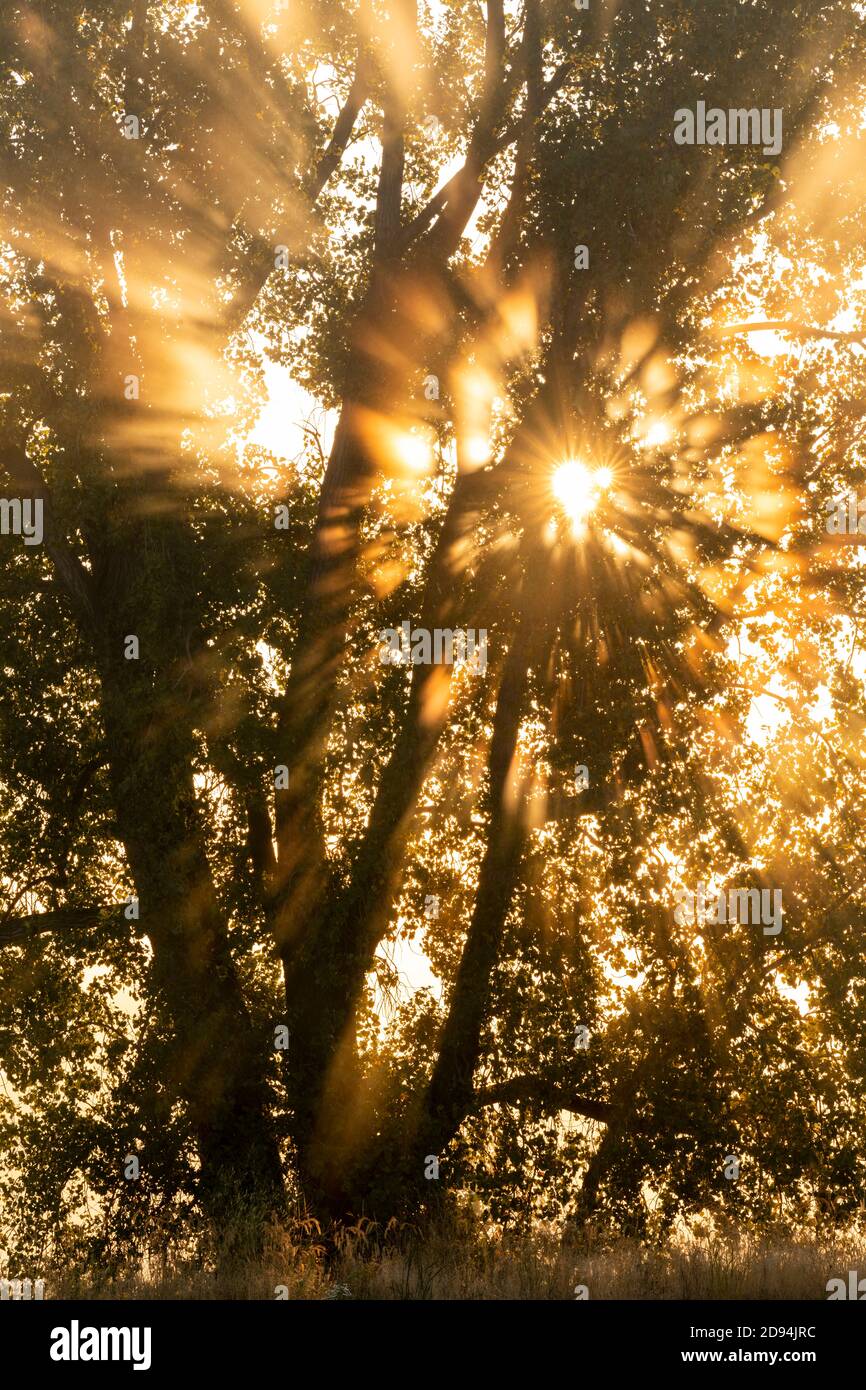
364	1264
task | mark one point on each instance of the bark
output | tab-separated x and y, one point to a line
450	1094
218	1062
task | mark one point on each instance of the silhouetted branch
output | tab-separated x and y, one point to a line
259	842
798	330
18	929
343	127
466	173
551	1095
260	261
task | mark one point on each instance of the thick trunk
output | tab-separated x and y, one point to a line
325	982
219	1065
308	703
338	928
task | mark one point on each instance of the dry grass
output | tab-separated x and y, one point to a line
443	1265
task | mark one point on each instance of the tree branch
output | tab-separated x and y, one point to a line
343	127
389	194
259	842
506	238
494	48
261	255
449	190
796	329
15	930
551	1095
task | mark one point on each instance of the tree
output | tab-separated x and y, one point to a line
566	289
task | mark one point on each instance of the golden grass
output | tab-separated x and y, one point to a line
364	1264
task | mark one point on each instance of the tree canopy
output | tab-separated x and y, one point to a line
299	928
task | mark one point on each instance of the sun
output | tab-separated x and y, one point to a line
578	488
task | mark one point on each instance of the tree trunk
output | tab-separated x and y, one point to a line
450	1093
219	1065
324	983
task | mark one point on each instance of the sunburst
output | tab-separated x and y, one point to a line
578	489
